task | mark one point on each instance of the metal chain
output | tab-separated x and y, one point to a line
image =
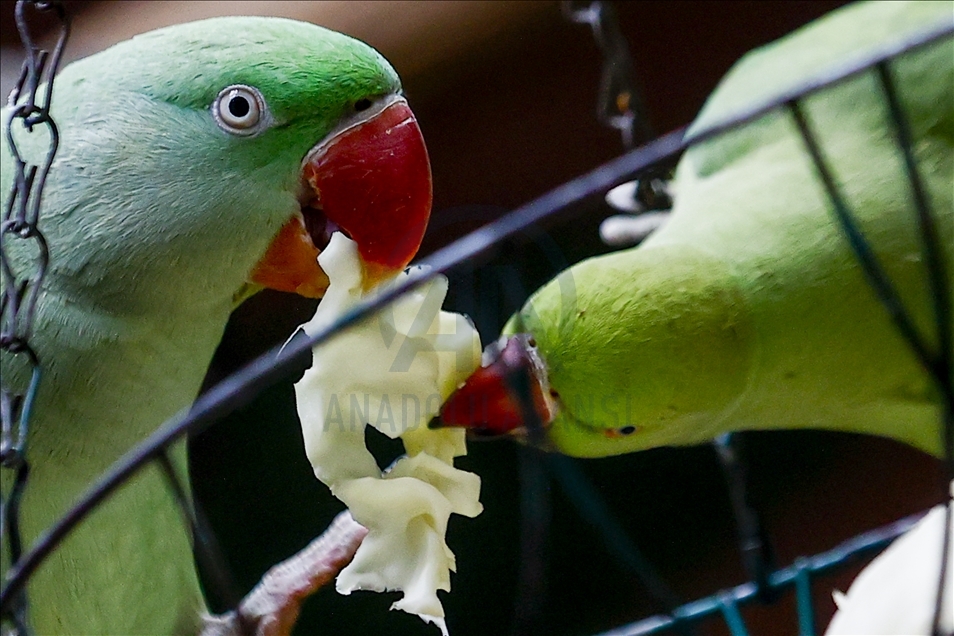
29	113
620	105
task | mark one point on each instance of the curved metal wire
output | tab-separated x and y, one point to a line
862	545
936	362
240	388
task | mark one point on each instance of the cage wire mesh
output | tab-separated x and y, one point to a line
620	108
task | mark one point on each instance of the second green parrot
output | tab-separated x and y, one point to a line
748	309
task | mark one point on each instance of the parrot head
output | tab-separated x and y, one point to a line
609	370
224	153
514	393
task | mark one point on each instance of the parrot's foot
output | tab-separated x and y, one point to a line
272	608
626	230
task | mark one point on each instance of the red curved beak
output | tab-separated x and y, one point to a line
370	180
487	404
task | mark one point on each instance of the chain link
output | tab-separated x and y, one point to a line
29	113
620	105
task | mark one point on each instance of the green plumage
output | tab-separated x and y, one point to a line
154	217
748	310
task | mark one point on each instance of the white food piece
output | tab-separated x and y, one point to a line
392	371
896	592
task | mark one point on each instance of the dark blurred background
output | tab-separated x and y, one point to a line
505	93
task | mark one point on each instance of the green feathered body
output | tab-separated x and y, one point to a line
748	309
154	218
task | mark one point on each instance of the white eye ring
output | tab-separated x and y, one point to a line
240	110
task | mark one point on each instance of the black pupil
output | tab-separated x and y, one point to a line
627	430
362	104
239	106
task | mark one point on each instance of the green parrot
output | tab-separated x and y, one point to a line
197	164
748	309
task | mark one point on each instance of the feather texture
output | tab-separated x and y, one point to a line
155	217
748	310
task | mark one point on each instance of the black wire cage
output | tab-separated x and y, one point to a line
645	165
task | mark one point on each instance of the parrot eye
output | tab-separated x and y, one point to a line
240	110
622	431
